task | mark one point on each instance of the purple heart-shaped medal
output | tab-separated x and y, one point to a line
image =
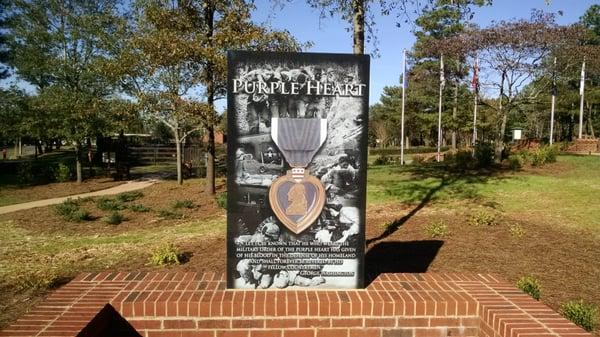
297	203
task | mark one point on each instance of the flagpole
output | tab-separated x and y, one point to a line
476	83
439	144
581	93
402	115
552	104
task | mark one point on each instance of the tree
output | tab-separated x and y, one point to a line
4	50
514	53
591	22
353	11
578	42
155	61
228	26
359	14
441	20
57	46
13	112
175	50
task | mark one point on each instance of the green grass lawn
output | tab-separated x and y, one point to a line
567	194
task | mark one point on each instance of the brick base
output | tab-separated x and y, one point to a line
189	304
584	146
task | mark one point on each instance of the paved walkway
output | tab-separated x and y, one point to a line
128	186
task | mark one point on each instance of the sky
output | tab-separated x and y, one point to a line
329	35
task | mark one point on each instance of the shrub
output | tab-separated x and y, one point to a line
515	161
222	200
165	255
530	286
418	159
27	280
129	196
108	204
537	157
383	160
114	218
186	203
167	214
62	173
32	173
484	154
25	173
437	229
552	152
544	155
69	210
482	218
80	215
139	208
583	314
66	207
464	159
516	230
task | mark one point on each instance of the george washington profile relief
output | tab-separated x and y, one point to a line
298	205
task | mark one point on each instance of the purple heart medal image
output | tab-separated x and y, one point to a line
297	198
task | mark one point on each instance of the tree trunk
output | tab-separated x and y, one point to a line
499	146
591	122
210	162
89	156
78	162
358	23
210	188
178	156
21	145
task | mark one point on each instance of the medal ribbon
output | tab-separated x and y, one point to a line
299	139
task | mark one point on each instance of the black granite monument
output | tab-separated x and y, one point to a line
297	159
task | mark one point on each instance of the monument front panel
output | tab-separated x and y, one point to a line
297	157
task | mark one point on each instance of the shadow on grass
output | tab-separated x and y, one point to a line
400	257
428	182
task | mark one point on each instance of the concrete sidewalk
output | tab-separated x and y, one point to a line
126	187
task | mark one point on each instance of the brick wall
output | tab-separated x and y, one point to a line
189	304
584	146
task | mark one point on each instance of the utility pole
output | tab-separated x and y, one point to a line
475	84
553	103
442	82
402	114
581	93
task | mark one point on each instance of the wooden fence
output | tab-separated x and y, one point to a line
160	154
165	154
